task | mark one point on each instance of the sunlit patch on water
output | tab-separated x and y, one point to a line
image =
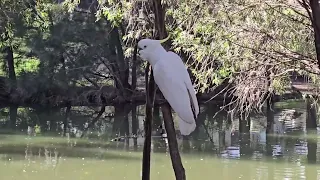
231	152
301	148
277	150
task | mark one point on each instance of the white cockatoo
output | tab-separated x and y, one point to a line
172	78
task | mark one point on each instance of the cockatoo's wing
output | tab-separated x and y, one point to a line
173	80
187	80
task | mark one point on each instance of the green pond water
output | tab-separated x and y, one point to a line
38	158
289	152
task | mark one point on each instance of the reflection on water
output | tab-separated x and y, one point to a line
217	150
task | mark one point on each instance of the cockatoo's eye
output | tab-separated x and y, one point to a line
142	48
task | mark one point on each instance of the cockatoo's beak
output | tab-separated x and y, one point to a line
164	40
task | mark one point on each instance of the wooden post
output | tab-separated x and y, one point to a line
150	92
173	144
165	108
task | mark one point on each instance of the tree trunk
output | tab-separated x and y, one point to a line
10	63
186	146
269	129
122	63
119	115
311	122
195	135
124	130
159	144
244	123
94	120
120	66
13	84
135	122
66	120
13	117
53	124
244	135
135	127
270	115
157	123
315	8
134	69
64	77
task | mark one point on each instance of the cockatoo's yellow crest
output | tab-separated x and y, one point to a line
166	39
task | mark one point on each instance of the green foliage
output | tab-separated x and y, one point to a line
244	43
227	37
27	65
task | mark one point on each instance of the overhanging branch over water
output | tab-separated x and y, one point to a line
105	96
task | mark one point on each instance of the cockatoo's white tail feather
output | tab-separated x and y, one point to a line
186	128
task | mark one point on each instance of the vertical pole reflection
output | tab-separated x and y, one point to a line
244	132
270	127
311	126
135	127
159	143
